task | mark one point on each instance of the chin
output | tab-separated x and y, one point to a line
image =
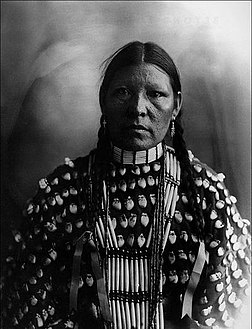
137	145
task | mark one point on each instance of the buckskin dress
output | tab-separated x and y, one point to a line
117	256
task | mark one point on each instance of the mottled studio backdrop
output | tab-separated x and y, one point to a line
51	53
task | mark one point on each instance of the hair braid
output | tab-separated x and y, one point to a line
187	181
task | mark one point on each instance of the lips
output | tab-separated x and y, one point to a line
137	127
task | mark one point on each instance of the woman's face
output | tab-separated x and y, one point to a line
138	106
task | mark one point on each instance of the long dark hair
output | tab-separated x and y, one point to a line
135	53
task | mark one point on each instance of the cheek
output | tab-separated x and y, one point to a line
162	115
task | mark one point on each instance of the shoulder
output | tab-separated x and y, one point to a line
55	188
203	171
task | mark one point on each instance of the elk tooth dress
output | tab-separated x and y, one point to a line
100	255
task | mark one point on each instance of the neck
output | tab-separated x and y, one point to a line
137	157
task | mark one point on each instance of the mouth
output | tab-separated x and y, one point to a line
137	127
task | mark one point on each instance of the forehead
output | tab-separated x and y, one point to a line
141	74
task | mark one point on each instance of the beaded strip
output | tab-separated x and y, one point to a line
137	157
134	278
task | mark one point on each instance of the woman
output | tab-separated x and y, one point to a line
140	233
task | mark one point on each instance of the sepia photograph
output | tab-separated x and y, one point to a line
125	164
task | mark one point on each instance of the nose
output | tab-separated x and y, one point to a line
138	106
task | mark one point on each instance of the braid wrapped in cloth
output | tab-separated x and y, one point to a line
39	269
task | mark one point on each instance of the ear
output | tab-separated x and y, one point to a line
178	101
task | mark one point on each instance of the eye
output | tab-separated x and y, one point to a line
155	94
122	93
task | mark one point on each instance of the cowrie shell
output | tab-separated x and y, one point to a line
203	300
220	186
55	181
198	181
214	178
214	243
123	186
197	168
194	238
232	297
142	201
191	257
51	201
221	177
129	203
113	221
237	303
188	217
123	221
236	217
89	280
59	200
184	198
73	191
66	176
150	180
171	257
233	238
184	235
153	198
53	254
32	280
219	224
209	321
209	174
212	189
113	172
130	240
135	170
120	241
242	283
222	306
69	162
156	166
184	276
233	199
205	183
219	287
65	193
225	316
132	183
68	227
73	208
79	223
113	187
48	189
144	219
146	168
141	182
221	298
132	220
117	204
241	254
172	237
172	276
182	254
122	170
43	183
220	204
178	216
215	276
204	203
141	240
206	311
237	273
220	252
